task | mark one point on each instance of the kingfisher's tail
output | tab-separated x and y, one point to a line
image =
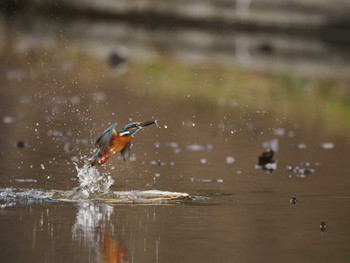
94	159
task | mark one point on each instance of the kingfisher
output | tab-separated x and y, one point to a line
112	141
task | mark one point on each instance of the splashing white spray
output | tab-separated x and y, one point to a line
91	182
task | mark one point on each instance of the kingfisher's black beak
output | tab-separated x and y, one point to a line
146	123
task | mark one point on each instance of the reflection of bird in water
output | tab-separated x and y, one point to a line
112	250
112	141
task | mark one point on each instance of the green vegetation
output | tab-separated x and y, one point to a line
306	100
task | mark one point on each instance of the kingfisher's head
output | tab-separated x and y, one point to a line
133	127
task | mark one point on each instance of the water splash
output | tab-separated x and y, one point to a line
91	181
93	187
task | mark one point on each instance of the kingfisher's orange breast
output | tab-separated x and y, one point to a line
118	143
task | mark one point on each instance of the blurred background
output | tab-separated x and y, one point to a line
302	37
227	80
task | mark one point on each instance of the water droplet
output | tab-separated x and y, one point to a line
271	166
171	144
74	159
206	180
271	145
279	132
99	96
203	161
177	150
327	145
301	146
230	159
291	134
8	119
75	100
68	147
26	180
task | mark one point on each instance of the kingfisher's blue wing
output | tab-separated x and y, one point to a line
105	138
125	152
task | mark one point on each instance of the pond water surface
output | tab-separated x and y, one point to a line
56	100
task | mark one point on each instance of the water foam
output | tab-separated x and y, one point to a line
91	181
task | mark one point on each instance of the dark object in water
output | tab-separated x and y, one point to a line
115	60
266	48
266	161
20	144
323	226
266	157
293	200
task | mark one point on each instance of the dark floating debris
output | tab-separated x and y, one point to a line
20	144
293	200
266	48
266	161
323	226
300	171
266	157
115	60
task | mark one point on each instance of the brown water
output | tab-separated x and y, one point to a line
55	101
